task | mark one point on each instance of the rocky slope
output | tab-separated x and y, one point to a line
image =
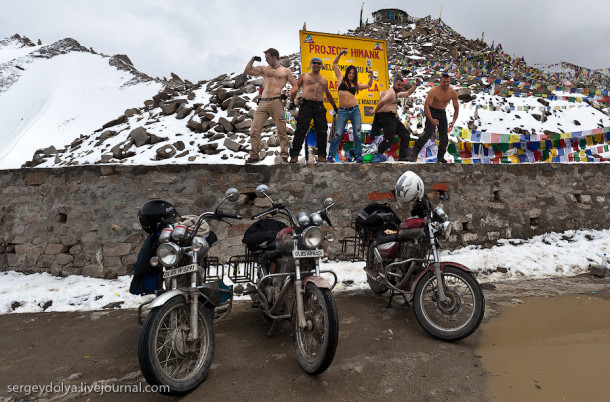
209	121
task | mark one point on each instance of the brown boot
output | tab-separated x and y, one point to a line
294	159
322	159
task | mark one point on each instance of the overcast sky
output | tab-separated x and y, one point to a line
200	39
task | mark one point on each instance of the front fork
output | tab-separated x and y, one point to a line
299	291
440	287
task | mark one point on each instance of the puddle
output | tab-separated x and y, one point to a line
554	348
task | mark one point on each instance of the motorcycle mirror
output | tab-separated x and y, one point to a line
328	202
262	190
232	194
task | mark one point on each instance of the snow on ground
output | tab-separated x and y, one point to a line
544	256
61	98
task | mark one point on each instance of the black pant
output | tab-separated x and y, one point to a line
310	110
391	126
441	116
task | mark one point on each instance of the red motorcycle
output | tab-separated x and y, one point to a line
403	256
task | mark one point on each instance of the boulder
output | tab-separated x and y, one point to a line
166	151
155	139
195	126
240	80
179	145
115	122
208	149
183	111
139	136
232	145
130	112
226	124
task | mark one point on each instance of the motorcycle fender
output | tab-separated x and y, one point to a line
443	265
164	298
318	281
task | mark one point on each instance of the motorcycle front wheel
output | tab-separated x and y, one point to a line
315	345
373	266
457	318
167	358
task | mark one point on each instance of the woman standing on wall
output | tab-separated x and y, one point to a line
348	107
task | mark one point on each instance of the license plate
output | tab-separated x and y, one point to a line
307	253
181	270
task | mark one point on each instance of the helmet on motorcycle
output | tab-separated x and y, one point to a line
155	212
409	187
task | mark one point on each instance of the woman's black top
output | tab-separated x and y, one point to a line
344	87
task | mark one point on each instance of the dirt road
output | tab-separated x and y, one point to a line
382	354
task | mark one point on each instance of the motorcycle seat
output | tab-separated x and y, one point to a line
386	238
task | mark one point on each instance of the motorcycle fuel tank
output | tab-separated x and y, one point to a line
411	229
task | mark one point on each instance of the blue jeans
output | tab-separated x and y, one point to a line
343	117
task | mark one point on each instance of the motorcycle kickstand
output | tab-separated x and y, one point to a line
272	329
390	300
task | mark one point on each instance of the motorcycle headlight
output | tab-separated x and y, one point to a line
169	254
312	237
445	230
316	219
440	215
303	219
200	246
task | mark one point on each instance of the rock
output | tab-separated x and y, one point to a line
140	136
195	126
116	122
169	108
273	141
237	103
599	271
217	137
160	97
166	151
131	112
183	111
208	148
179	145
464	94
226	124
232	145
240	80
244	125
117	152
155	139
49	151
103	137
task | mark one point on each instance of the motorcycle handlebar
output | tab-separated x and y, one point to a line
221	214
271	211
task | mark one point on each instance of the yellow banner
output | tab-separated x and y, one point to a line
362	53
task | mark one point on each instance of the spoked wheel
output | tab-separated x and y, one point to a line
372	267
167	357
316	344
460	316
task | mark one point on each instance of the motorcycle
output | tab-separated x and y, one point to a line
283	278
447	299
177	338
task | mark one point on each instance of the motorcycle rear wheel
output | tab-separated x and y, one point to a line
316	345
456	319
166	357
372	265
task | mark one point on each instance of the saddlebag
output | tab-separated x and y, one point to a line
377	217
262	231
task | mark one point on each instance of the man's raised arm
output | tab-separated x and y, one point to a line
249	70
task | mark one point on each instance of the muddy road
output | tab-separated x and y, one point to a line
382	354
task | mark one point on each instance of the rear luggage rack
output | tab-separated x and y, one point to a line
242	268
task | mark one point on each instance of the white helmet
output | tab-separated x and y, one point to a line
409	187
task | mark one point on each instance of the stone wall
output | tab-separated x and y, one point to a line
82	220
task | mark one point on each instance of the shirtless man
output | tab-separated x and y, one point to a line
436	102
385	114
270	104
315	87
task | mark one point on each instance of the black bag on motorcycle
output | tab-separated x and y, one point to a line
376	217
262	231
146	277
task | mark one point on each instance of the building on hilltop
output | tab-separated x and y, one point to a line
390	15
